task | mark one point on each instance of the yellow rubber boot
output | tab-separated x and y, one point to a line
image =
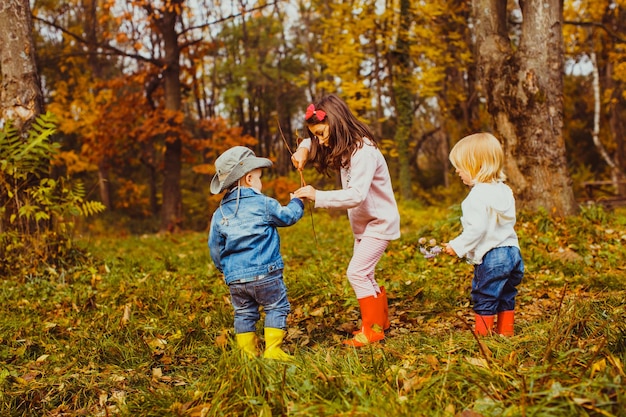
273	342
246	342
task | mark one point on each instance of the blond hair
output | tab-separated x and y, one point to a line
481	156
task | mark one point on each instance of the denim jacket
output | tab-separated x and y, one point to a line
244	240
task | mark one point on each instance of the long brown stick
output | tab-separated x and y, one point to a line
302	181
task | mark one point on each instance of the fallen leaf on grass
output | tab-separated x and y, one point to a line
126	315
318	312
311	326
414	383
221	341
598	366
481	362
29	376
199	410
42	358
157	345
294	333
432	361
565	255
468	413
49	326
346	328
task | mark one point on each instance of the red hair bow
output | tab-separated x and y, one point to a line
310	111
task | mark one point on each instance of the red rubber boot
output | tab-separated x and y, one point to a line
483	325
506	322
372	318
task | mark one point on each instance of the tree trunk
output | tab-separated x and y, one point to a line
595	134
90	26
524	92
616	129
21	99
403	102
104	186
172	208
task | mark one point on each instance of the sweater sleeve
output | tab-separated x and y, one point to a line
306	144
356	182
475	222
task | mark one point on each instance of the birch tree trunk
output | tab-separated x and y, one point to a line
20	93
523	86
595	134
616	129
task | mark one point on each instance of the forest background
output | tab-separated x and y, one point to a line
147	94
117	110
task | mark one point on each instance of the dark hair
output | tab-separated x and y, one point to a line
346	135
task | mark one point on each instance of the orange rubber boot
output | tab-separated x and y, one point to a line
506	321
483	325
385	317
372	318
383	295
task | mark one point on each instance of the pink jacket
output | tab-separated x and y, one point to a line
367	194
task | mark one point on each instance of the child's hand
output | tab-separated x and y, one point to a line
299	158
307	192
448	249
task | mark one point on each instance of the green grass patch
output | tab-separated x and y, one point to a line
144	328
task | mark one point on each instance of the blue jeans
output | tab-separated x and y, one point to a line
268	292
495	281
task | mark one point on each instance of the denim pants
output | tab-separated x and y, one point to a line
268	292
495	281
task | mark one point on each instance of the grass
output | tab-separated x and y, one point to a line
145	329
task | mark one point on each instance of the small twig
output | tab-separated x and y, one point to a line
302	181
447	370
557	315
282	135
484	350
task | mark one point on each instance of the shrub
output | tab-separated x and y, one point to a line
36	209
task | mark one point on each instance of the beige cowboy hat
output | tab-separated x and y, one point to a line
234	164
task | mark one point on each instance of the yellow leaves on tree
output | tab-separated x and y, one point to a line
72	162
342	53
132	196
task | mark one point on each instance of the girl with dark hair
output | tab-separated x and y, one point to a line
338	141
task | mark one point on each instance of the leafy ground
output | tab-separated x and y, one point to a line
145	329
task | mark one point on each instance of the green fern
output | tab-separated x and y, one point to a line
36	211
23	158
89	208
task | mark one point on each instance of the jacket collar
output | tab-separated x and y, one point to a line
245	192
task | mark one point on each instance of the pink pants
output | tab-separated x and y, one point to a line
367	253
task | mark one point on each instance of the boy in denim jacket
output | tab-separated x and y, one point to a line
245	246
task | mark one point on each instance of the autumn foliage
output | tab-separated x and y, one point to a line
148	93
